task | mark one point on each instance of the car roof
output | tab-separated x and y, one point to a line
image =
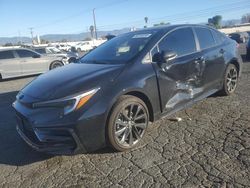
12	49
166	28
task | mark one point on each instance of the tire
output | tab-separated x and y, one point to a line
127	127
72	60
230	80
56	64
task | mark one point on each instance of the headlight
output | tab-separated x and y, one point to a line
70	103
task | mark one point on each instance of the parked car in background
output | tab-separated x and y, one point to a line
22	62
63	47
240	37
69	56
84	46
109	97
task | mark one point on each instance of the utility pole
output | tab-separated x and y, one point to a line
31	32
94	23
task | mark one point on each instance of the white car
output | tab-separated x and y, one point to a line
22	62
63	47
84	46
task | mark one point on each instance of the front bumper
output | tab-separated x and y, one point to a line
54	140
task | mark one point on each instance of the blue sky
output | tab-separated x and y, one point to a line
75	16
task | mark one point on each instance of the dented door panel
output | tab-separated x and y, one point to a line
181	81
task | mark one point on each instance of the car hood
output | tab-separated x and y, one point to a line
70	79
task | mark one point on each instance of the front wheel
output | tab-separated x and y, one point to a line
56	64
128	123
230	80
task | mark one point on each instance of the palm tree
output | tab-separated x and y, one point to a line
146	22
91	28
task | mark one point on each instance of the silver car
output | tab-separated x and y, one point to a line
22	62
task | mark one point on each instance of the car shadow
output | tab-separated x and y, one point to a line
13	150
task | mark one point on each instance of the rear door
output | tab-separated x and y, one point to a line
213	55
180	81
31	62
9	64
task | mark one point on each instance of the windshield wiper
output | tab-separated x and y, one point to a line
96	62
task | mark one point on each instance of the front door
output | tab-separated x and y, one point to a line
181	79
31	62
9	64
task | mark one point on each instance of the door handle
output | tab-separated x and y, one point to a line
222	51
199	59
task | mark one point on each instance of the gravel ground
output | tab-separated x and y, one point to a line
210	147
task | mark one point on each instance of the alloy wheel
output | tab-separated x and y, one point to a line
56	65
232	80
130	125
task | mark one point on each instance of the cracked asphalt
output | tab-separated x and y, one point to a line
210	147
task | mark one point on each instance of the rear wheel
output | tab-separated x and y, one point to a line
128	123
230	80
56	64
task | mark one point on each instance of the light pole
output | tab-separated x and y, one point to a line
31	32
94	24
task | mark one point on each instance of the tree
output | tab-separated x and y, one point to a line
87	39
161	23
215	21
8	44
43	41
245	18
64	40
91	28
146	22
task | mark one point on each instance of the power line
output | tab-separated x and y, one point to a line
155	20
174	17
182	15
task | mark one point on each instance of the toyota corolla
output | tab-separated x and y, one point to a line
111	94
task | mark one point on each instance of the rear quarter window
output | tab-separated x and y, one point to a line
205	37
218	37
6	55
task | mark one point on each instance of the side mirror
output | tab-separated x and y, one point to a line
164	57
36	56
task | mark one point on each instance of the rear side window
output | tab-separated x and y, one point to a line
205	37
6	55
180	41
219	37
25	53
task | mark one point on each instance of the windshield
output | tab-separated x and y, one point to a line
54	50
120	49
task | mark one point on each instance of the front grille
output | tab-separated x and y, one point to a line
26	128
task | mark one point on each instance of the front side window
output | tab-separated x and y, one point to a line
180	41
6	55
205	37
120	49
25	53
41	50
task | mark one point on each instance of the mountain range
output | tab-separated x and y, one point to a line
60	37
